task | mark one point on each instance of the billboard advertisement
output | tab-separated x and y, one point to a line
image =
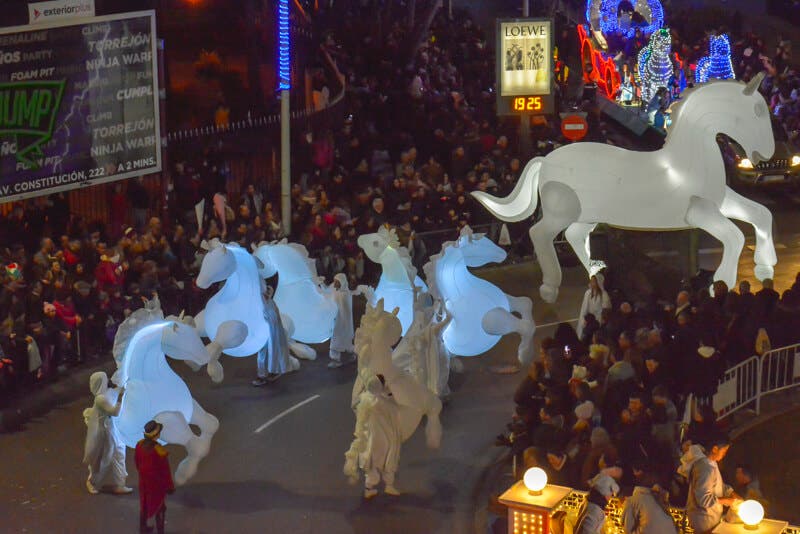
78	104
524	66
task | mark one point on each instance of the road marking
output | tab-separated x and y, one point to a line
538	326
284	413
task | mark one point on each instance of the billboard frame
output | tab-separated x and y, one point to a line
151	13
543	103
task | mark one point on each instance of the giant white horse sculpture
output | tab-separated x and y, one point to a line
154	391
378	332
239	298
680	186
399	276
481	312
298	295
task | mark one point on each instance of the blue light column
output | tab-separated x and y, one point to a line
284	85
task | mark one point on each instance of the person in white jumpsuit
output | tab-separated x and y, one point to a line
342	339
104	452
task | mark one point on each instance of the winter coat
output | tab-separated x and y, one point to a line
643	514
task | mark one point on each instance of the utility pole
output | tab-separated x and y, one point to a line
284	85
525	119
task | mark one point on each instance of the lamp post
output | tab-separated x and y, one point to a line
531	503
284	85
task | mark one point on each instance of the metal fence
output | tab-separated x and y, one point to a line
747	383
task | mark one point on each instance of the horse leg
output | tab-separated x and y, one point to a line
577	235
200	328
433	426
743	209
500	322
704	214
560	208
197	447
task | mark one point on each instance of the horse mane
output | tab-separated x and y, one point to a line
680	105
430	267
151	313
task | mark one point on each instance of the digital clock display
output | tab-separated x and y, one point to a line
527	103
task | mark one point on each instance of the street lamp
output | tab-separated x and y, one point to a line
751	513
535	480
531	503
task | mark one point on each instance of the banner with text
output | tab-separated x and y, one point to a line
78	104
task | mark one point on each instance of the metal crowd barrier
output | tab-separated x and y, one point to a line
750	381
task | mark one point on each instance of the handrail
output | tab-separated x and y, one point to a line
748	382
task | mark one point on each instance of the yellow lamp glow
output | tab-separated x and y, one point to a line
751	513
535	480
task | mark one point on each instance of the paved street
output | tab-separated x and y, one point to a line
287	478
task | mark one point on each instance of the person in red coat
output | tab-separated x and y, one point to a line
155	478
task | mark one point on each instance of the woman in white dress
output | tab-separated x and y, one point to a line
595	300
104	451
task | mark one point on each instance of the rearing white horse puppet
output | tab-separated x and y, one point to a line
154	391
680	186
481	312
298	294
378	332
399	276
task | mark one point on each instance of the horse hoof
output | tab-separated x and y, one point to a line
763	272
548	293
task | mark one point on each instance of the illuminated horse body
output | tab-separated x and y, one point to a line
481	312
154	391
654	64
399	276
239	298
717	64
298	295
679	186
374	338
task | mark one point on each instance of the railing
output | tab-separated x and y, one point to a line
572	504
750	381
738	388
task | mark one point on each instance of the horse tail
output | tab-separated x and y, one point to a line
522	201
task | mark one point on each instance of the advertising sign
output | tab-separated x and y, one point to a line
45	12
524	66
78	104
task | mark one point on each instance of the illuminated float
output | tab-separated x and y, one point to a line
717	65
680	186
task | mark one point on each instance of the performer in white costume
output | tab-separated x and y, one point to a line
595	300
378	437
274	358
104	451
342	339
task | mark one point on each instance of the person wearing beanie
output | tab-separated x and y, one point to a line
593	516
155	478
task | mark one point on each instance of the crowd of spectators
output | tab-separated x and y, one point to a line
634	391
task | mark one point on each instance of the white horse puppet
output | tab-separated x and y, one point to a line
481	312
378	332
298	295
682	185
239	298
154	391
399	276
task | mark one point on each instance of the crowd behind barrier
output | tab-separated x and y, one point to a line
418	136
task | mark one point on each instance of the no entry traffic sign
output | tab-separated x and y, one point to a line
574	127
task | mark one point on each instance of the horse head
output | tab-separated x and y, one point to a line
267	268
180	341
374	245
477	249
732	108
219	264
